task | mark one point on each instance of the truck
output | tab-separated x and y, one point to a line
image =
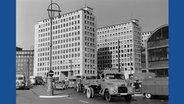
108	84
20	81
155	86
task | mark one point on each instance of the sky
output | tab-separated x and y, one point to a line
150	13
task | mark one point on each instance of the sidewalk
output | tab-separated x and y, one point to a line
42	91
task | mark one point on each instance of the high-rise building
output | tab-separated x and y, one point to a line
129	36
74	45
24	62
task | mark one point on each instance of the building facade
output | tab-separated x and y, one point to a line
74	45
157	52
129	57
24	62
145	35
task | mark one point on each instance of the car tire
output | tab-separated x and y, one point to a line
148	95
78	88
92	92
107	96
128	97
89	93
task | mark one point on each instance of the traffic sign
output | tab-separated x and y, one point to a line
50	73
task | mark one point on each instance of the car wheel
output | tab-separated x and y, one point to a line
128	97
107	96
92	92
78	88
148	95
89	92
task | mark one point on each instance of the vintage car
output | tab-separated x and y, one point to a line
59	85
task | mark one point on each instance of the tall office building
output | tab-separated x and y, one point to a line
129	36
74	45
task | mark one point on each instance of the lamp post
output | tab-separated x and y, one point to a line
51	13
28	70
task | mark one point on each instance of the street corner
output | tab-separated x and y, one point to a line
39	90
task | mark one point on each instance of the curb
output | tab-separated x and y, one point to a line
61	96
137	95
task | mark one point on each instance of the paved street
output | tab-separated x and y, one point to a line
32	96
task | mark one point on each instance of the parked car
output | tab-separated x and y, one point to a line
59	85
39	80
71	83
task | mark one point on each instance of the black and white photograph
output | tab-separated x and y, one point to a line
92	52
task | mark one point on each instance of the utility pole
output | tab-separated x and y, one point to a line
28	70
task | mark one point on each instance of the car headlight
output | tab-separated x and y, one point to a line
113	90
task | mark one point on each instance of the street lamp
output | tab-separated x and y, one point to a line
51	13
28	70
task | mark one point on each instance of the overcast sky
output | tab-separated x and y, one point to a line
150	13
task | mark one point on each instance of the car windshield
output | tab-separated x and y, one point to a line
91	77
72	80
20	78
115	76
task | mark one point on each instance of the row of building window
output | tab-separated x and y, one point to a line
89	72
60	46
89	23
89	17
108	60
59	21
125	33
88	44
89	28
24	65
89	55
120	27
70	55
68	67
160	54
67	35
91	61
24	60
62	26
125	42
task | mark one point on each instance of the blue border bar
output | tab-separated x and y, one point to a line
176	51
8	51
